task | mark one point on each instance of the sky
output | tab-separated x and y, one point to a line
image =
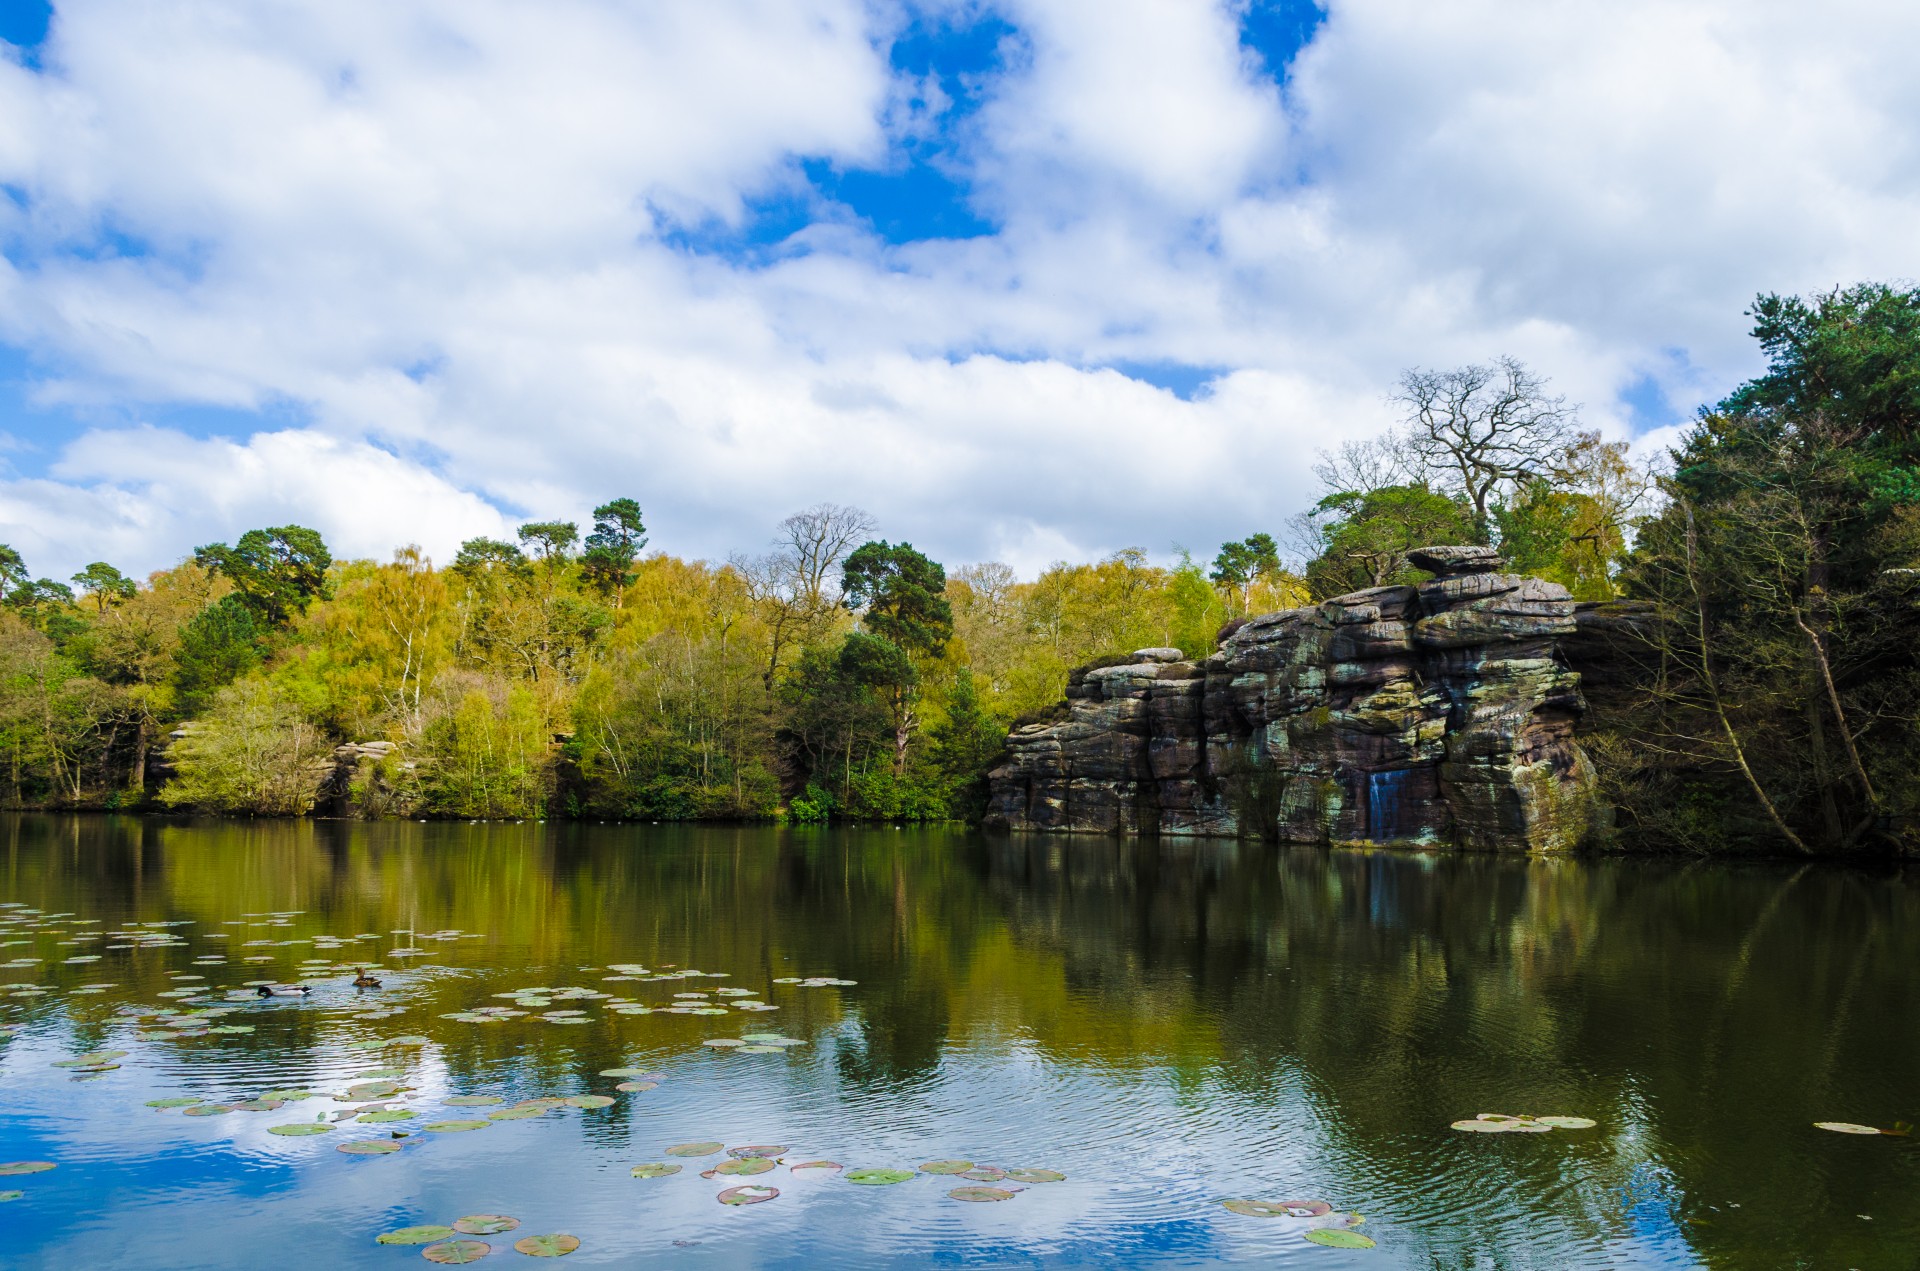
1029	280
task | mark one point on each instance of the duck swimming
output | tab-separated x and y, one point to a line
361	980
283	990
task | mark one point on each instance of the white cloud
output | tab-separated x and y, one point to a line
145	497
433	234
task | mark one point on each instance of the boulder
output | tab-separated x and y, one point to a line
1437	715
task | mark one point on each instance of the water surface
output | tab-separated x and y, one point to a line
1168	1025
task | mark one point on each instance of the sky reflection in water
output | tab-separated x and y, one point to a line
1169	1025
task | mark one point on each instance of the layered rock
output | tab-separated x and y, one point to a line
1437	714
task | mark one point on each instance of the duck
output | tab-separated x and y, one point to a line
283	990
361	980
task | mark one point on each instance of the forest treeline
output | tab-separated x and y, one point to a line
1763	688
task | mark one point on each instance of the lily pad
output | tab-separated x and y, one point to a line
873	1177
373	1089
945	1167
516	1114
10	1168
656	1169
1035	1175
591	1101
694	1149
722	1043
484	1224
472	1100
454	1127
11	1195
637	1087
1337	1238
554	1246
385	1115
258	1105
369	1147
980	1193
1257	1208
1568	1123
207	1110
744	1165
172	1103
413	1235
747	1194
626	1072
300	1129
759	1149
829	1165
457	1252
1838	1127
984	1174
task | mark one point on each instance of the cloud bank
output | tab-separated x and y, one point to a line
412	272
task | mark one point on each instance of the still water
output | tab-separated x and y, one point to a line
1167	1025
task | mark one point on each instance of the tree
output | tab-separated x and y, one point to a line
1364	538
552	542
13	570
277	572
617	537
217	646
793	584
1239	564
1782	571
105	584
1480	431
479	556
902	593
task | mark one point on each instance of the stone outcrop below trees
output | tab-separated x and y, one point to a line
1439	714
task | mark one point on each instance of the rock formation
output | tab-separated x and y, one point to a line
1436	714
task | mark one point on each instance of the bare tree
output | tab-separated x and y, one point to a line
1479	430
1366	465
794	585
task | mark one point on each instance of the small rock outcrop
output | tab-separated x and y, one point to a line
1428	715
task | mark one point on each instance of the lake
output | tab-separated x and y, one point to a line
1168	1026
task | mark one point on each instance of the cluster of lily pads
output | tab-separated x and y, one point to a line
756	1159
444	1246
1501	1123
14	1169
538	1002
1314	1220
377	1098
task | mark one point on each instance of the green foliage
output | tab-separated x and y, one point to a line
484	754
903	594
218	645
105	584
479	556
252	753
1363	538
1781	571
276	572
1240	563
617	537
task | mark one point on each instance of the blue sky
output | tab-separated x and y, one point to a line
1028	279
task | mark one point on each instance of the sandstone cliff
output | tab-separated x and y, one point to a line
1437	714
